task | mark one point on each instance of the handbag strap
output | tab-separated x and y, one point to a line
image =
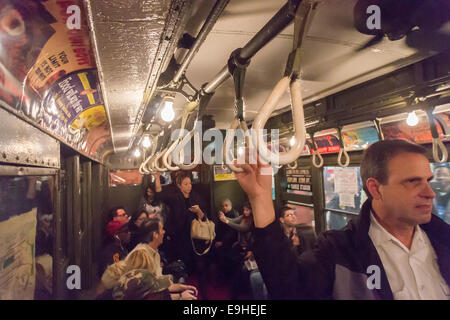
210	243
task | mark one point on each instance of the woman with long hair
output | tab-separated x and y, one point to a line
134	226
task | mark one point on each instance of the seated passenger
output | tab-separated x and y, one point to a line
116	247
394	249
302	236
145	256
134	226
119	214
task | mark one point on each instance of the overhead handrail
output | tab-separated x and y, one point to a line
188	109
237	69
316	154
143	167
342	150
303	18
292	165
437	142
228	152
197	150
156	161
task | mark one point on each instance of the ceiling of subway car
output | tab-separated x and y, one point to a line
127	34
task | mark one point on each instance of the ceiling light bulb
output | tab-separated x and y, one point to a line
241	151
412	119
167	113
146	143
292	141
137	153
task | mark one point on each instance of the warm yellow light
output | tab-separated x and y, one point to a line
292	141
167	113
412	119
146	143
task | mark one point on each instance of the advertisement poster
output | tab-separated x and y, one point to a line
325	144
420	133
359	139
73	108
17	257
223	173
47	71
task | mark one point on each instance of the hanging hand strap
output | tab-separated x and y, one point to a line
316	154
342	150
437	143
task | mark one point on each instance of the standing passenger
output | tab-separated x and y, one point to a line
395	249
184	207
153	206
225	238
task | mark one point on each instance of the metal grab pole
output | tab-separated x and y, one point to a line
271	29
204	31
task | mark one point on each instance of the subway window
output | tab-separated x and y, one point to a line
441	186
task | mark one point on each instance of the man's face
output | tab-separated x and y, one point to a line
121	216
226	206
408	197
289	219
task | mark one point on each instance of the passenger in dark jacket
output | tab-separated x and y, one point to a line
185	206
353	263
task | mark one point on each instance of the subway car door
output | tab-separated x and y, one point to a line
79	216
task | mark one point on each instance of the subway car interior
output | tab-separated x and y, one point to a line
93	94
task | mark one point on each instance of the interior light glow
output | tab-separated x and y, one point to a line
412	119
146	143
292	141
137	153
167	113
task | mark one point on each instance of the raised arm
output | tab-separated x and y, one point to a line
286	277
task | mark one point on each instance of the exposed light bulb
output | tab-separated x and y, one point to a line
292	141
137	153
241	151
412	119
146	143
167	113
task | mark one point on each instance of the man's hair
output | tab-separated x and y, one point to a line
113	211
148	227
283	211
377	156
227	200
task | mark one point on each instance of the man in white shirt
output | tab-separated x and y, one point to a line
395	249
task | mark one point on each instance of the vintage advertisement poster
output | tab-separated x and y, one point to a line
359	139
223	173
17	257
74	110
419	133
47	71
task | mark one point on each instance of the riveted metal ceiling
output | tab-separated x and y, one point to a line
132	41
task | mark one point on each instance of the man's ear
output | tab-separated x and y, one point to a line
373	186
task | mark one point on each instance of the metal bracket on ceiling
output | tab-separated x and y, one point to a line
179	87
